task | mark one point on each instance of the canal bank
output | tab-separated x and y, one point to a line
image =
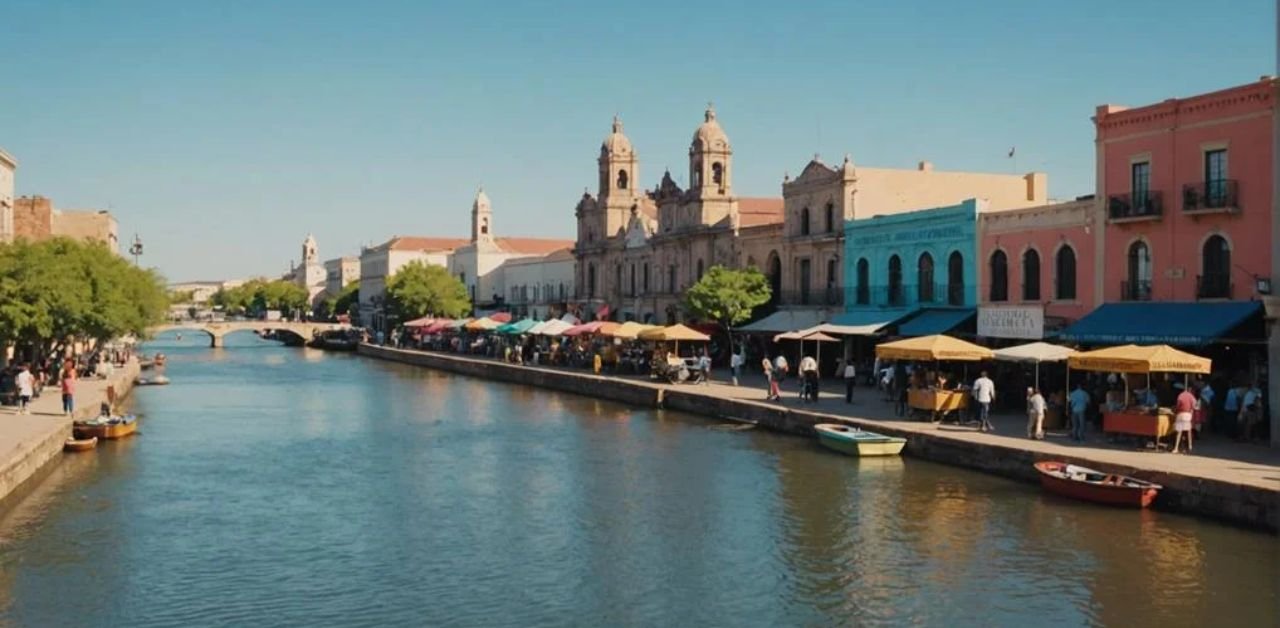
30	444
1244	492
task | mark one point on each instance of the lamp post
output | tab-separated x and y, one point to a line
136	248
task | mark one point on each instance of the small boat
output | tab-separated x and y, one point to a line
157	380
106	428
858	442
1078	482
80	444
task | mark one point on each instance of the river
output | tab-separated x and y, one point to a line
276	486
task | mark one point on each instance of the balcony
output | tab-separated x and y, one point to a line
831	295
1135	207
1213	286
1210	197
1135	290
909	294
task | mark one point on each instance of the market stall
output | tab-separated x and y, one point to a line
935	401
1139	419
672	367
1037	353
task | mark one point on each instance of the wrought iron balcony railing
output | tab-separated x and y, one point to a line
1210	195
1139	290
1147	204
1213	286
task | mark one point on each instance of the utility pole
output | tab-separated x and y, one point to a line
136	248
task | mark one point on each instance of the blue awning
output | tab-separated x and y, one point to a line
1154	322
869	321
930	322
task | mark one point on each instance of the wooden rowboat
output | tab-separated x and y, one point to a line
1078	482
81	444
119	427
857	442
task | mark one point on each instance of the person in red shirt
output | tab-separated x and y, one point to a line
1182	412
68	391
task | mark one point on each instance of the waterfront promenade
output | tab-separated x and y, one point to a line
1226	480
28	443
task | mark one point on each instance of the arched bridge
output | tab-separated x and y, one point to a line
218	329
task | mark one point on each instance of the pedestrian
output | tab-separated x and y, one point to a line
735	364
901	390
1078	404
780	368
850	379
1035	414
26	389
1183	407
704	365
1250	412
68	391
771	393
984	392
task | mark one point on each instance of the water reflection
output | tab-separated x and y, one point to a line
275	485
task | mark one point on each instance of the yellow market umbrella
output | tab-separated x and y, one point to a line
937	347
483	324
629	330
674	333
1140	359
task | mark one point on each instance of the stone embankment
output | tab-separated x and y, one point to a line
31	443
1242	492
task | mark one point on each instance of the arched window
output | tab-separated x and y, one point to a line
622	179
633	280
717	173
955	279
1065	269
484	225
699	270
645	287
695	177
895	280
831	218
775	277
591	281
804	221
863	296
924	278
1138	287
1031	275
1215	283
999	276
562	292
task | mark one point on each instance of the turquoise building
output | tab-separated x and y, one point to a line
918	269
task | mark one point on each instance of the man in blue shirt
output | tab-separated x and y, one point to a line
1078	401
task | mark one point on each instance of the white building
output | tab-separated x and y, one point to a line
538	287
380	262
477	264
7	167
338	272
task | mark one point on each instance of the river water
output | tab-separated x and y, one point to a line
276	486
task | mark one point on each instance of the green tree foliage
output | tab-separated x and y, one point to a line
61	290
259	295
343	302
419	289
182	296
728	296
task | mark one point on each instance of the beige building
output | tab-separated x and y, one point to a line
7	167
340	271
35	218
478	263
378	263
538	287
637	251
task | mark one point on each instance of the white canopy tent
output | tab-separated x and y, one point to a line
1035	353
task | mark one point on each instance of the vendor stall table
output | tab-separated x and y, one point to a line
1156	426
937	403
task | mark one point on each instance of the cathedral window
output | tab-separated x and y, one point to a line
717	174
622	179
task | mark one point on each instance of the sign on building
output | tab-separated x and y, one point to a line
1024	322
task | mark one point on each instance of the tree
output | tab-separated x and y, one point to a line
258	295
343	302
419	289
728	296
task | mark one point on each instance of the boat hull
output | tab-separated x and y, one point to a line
83	444
1109	494
858	443
110	431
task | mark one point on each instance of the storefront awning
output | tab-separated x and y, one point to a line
863	323
1152	322
930	322
784	320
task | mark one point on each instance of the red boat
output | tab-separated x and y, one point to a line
1078	482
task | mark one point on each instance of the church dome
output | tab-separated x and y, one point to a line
616	143
709	134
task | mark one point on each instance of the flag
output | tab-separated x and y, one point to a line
1011	151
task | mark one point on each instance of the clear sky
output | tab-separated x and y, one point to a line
224	131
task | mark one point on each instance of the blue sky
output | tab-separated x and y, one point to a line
223	132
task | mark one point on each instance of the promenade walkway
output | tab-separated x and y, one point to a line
28	442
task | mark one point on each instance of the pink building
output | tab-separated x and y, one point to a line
1040	258
1186	193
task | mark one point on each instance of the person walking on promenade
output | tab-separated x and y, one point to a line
735	364
68	391
850	375
780	368
1183	407
771	393
704	365
808	378
984	392
1035	414
26	383
1078	403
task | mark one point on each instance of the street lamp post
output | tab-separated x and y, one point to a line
136	248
